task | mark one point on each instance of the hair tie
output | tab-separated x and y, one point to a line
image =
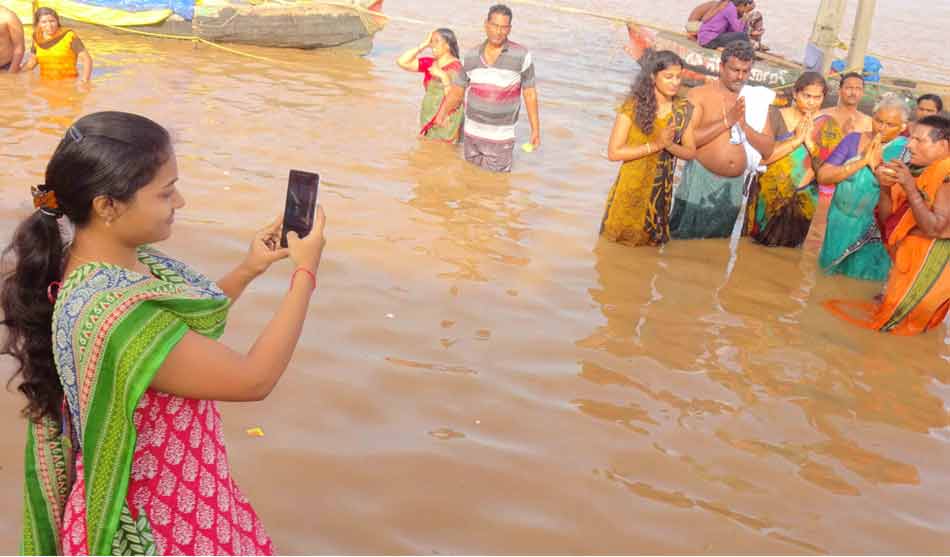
44	199
50	295
74	134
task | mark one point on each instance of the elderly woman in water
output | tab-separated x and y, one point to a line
438	71
852	244
57	49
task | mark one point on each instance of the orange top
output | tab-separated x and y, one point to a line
57	61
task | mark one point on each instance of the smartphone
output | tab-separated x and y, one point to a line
301	204
905	155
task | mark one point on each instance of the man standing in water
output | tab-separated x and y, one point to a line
11	41
497	74
846	114
732	138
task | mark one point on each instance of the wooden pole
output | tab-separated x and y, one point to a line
861	34
824	35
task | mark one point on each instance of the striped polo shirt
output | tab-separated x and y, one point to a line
493	97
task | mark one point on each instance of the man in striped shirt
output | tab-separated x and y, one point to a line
497	74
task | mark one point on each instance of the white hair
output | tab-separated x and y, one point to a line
893	100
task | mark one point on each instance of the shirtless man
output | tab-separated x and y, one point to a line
846	113
709	198
11	41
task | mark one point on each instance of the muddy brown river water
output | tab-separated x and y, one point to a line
480	373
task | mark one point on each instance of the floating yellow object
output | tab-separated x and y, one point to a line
528	147
255	432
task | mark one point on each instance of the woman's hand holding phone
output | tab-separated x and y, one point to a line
306	252
265	249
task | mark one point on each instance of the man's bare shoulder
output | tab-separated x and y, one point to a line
832	112
703	93
8	16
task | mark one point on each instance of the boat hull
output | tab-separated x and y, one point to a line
315	26
303	25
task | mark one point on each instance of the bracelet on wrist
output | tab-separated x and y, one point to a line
308	272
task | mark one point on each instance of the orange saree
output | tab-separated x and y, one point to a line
917	294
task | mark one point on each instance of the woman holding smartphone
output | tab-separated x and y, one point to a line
117	347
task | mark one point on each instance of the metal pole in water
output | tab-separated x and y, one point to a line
861	34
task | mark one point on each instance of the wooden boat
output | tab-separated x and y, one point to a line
289	25
769	70
305	24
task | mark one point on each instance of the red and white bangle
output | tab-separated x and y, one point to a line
313	277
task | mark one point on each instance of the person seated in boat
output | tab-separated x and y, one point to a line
783	199
11	41
726	26
439	71
846	113
57	49
755	26
653	128
853	246
754	21
915	212
732	135
701	14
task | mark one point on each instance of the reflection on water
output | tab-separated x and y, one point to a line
481	373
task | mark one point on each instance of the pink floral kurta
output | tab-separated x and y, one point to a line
182	481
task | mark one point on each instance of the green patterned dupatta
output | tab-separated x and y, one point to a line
112	329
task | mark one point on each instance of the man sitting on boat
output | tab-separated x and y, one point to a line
702	13
726	25
915	212
11	41
732	138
